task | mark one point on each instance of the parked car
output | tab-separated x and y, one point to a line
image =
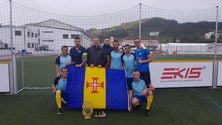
23	53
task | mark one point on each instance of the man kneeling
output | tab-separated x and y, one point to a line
59	88
141	93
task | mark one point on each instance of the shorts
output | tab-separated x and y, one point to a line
142	99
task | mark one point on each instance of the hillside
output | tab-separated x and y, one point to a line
170	30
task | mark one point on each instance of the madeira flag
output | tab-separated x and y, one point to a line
105	88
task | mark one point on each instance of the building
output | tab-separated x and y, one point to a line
48	35
189	48
154	34
151	44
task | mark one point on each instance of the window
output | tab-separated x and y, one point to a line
18	33
28	34
65	36
47	40
38	32
73	36
32	34
47	31
36	35
29	45
32	45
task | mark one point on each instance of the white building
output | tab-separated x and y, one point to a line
154	34
47	35
188	48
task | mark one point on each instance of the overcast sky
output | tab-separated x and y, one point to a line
101	7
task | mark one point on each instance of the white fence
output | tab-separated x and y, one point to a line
219	81
163	74
4	79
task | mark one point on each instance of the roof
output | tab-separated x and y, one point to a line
56	24
7	26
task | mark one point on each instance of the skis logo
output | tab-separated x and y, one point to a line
182	73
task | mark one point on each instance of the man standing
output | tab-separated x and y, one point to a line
95	55
143	58
78	53
115	55
128	62
63	60
107	49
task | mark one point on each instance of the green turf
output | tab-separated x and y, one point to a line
187	106
38	71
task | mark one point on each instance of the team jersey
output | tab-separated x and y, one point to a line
60	84
129	62
115	60
62	61
142	54
77	54
138	87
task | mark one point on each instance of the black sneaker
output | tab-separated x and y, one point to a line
59	111
151	107
147	112
135	107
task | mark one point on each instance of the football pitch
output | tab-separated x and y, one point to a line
187	106
178	106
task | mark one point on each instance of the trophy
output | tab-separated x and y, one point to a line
87	109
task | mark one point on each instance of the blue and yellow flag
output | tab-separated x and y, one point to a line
105	88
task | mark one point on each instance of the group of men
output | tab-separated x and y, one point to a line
135	63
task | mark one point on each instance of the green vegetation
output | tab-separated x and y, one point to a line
170	30
200	106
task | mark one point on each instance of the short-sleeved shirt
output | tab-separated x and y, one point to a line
62	61
77	54
142	54
115	60
129	62
60	84
138	87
